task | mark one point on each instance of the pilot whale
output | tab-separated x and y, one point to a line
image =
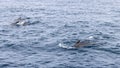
20	22
81	43
88	41
91	40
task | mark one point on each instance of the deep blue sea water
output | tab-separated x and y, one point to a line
55	21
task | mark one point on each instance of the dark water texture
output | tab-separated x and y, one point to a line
54	21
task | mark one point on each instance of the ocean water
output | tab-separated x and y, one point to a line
56	21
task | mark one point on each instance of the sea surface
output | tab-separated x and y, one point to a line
60	21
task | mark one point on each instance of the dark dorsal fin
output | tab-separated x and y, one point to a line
78	41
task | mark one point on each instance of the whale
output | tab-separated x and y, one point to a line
88	41
79	43
20	22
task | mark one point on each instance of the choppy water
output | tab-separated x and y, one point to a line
36	45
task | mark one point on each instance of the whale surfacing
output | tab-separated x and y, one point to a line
19	22
81	43
88	41
91	40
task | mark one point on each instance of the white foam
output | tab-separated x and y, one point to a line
65	46
90	38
